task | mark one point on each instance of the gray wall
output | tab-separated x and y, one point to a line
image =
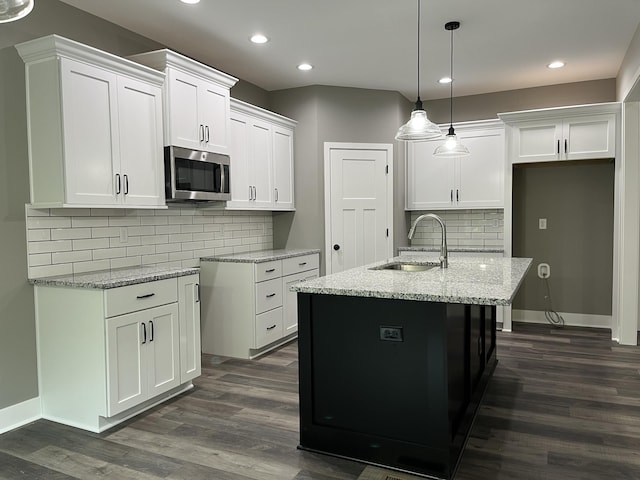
576	198
18	374
482	107
334	114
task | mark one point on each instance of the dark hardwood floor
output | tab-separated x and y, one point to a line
563	404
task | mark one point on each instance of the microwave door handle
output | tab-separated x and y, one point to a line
223	180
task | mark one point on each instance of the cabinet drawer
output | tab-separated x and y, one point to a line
268	327
299	264
268	295
268	270
132	298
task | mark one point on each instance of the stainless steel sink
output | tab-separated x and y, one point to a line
405	267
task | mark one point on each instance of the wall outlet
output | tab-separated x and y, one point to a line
544	270
542	223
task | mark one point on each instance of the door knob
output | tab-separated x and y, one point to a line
336	247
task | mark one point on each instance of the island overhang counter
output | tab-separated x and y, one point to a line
394	364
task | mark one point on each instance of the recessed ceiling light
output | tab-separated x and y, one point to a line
305	67
259	38
556	64
190	2
445	80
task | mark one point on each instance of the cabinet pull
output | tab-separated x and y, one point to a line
558	147
201	133
255	192
271	295
197	292
151	324
250	193
126	184
451	195
457	195
271	270
479	346
566	149
140	297
276	194
117	183
302	264
271	327
144	333
206	131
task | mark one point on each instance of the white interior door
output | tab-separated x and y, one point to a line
358	204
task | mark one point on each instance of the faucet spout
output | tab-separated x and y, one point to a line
444	254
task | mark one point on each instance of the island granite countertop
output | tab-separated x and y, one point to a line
468	280
436	249
260	256
120	277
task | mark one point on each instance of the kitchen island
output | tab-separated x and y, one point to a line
394	364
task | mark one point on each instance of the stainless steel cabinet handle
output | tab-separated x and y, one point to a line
276	194
126	184
451	195
457	195
271	270
255	193
250	193
271	295
558	147
148	295
151	325
479	346
206	131
201	133
271	327
197	293
566	149
302	264
117	183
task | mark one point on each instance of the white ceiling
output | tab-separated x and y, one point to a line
501	44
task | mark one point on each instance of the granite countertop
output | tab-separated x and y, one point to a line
260	256
436	249
115	278
469	280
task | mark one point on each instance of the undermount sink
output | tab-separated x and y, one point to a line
405	267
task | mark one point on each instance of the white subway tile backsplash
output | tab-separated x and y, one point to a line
465	228
62	241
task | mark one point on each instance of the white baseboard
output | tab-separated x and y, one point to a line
20	414
570	319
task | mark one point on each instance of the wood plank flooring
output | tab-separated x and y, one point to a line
563	404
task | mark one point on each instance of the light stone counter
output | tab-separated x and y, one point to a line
468	280
436	249
260	256
121	277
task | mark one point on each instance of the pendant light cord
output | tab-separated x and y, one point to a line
451	85
418	105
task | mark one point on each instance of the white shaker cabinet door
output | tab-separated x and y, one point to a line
140	121
189	318
283	168
91	143
430	180
214	116
163	361
241	187
261	156
537	141
184	127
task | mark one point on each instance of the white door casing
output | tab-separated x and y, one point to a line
358	204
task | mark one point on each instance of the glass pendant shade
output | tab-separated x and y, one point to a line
419	127
451	147
11	10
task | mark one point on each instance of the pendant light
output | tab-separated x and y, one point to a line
452	146
11	10
419	127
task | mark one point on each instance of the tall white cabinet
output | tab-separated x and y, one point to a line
476	181
196	101
105	355
94	127
262	159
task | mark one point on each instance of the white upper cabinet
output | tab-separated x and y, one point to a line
565	133
196	101
94	127
476	181
261	159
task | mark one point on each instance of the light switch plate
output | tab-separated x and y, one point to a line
542	223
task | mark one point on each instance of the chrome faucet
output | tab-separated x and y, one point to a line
444	255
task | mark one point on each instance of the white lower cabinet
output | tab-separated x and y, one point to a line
247	308
107	355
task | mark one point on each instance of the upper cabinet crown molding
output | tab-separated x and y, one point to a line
165	58
560	112
45	48
263	114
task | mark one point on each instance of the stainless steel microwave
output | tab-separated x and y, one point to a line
195	175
